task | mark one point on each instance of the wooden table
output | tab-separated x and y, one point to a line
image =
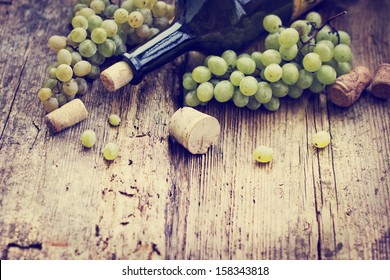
157	201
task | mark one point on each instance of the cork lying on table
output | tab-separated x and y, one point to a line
195	130
381	83
66	116
347	88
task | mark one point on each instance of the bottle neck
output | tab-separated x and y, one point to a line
158	51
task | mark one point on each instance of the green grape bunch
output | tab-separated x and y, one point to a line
100	31
307	55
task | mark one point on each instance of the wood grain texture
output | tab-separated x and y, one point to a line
157	201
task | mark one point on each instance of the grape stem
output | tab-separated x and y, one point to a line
328	22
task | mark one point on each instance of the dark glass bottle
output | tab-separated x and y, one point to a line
209	26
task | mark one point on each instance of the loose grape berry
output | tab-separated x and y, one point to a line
321	139
88	138
263	154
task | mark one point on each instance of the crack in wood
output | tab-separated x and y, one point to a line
32	246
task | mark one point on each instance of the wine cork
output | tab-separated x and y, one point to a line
194	130
381	84
116	76
66	116
347	88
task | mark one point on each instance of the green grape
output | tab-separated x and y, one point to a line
264	93
263	154
272	41
273	104
230	57
315	18
332	63
70	42
217	65
76	57
61	99
143	31
345	39
99	35
50	104
126	29
288	37
128	5
305	79
94	21
256	56
64	72
111	151
88	138
86	2
324	51
327	43
44	94
243	55
52	73
272	23
152	32
57	43
321	139
343	68
82	68
326	75
236	77
290	73
205	91
316	86
82	86
249	86
191	99
290	53
312	62
342	53
110	26
135	19
170	11
159	9
140	3
271	57
95	72
114	119
253	104
279	89
324	34
302	27
110	10
78	35
273	73
64	57
70	87
80	21
85	12
246	65
295	92
98	6
161	23
50	83
189	83
107	48
201	74
78	7
223	91
97	59
239	99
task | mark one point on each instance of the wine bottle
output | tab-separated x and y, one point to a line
208	26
